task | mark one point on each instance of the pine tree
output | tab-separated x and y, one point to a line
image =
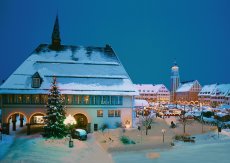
55	114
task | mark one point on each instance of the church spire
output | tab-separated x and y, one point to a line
175	64
56	40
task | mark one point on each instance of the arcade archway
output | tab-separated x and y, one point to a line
37	118
14	121
36	123
81	120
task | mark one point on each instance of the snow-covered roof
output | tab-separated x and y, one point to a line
224	106
207	89
221	90
140	103
186	86
78	69
150	88
144	87
228	94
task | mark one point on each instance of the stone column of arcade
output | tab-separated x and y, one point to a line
6	128
14	122
21	120
28	128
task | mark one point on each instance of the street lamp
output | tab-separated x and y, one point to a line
163	134
219	125
201	107
70	122
127	124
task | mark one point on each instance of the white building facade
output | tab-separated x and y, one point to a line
204	95
215	95
93	82
153	93
227	98
220	95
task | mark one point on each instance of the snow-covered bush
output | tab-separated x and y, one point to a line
126	140
208	114
118	124
103	127
225	118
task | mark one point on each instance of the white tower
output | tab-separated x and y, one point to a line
175	81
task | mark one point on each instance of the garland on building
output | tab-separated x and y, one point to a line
55	114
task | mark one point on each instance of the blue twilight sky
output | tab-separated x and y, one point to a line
146	34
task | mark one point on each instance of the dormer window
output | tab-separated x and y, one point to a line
36	80
36	83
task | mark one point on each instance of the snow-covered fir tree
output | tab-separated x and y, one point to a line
55	114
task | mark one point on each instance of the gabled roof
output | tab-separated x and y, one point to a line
153	89
207	89
221	90
159	87
78	69
144	87
36	75
189	81
228	94
186	86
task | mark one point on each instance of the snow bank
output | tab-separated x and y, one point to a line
208	148
7	141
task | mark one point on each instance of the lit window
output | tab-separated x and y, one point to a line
120	102
110	113
44	99
117	113
19	99
27	99
78	99
35	99
86	99
103	100
10	99
69	99
93	98
38	119
99	113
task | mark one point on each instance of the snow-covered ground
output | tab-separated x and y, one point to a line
5	144
35	148
208	148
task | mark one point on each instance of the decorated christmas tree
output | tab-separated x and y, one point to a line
55	114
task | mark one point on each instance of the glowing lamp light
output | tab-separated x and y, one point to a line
127	124
70	120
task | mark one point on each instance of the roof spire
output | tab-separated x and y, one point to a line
175	64
56	40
